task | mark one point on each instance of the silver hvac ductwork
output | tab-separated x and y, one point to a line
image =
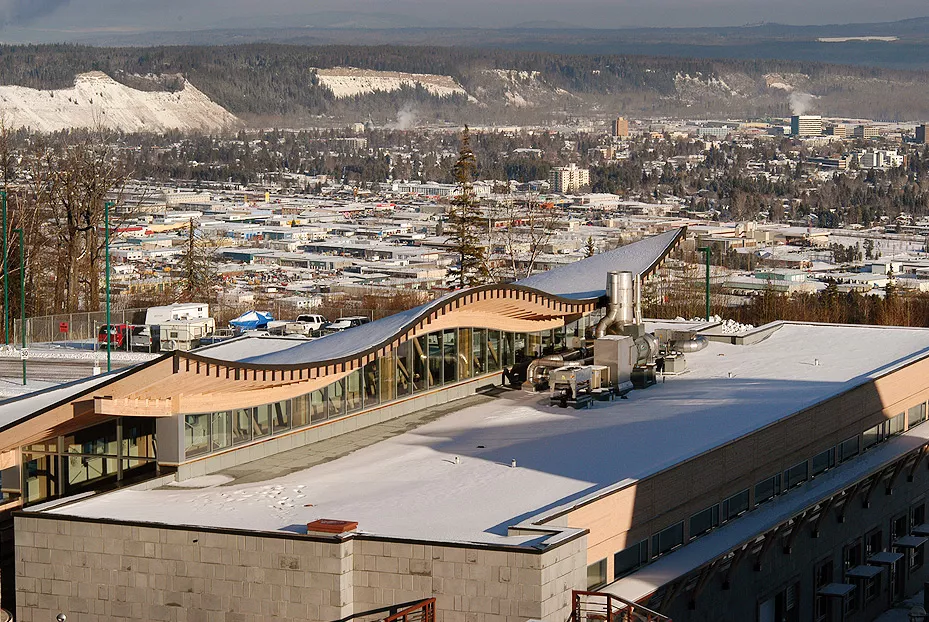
623	302
694	344
534	373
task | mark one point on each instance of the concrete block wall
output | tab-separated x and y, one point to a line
95	571
330	429
471	584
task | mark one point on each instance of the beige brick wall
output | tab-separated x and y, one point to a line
94	572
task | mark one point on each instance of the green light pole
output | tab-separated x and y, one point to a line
6	281
22	297
706	251
106	244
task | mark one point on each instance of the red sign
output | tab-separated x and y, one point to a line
62	327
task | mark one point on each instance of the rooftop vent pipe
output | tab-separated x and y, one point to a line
620	289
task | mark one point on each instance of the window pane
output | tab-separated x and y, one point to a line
464	351
897	424
479	351
450	355
372	383
241	425
280	416
533	345
318	410
704	521
261	425
870	437
40	477
99	439
520	347
196	435
670	538
767	489
138	437
221	430
917	414
509	352
402	376
735	505
629	559
796	475
434	341
848	449
420	366
494	362
300	410
335	396
83	470
353	391
822	461
596	574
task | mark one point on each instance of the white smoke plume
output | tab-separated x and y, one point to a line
407	118
801	103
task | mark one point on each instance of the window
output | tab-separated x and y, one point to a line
494	362
872	436
596	574
848	449
479	350
851	557
898	527
241	425
450	355
735	505
822	462
629	559
318	410
917	414
782	606
767	489
280	417
896	424
372	383
509	349
353	391
420	367
704	521
221	430
335	397
917	556
822	576
873	542
300	410
668	539
196	435
796	475
261	425
434	341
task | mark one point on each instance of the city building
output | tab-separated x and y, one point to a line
921	134
620	127
837	130
806	125
880	158
782	477
865	131
565	179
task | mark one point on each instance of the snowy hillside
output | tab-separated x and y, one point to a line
349	82
98	100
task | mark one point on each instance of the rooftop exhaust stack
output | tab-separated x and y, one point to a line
620	289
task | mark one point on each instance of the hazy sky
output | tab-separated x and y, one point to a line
146	15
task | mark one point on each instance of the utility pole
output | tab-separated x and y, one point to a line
106	244
706	251
6	280
22	299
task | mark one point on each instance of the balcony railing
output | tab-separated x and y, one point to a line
601	607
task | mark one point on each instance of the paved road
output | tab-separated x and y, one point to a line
53	370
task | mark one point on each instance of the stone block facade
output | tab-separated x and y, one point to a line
94	571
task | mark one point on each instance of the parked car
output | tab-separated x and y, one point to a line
314	322
125	336
344	323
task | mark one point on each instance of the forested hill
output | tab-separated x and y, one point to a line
272	83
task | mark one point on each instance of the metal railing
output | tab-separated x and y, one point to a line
413	611
602	607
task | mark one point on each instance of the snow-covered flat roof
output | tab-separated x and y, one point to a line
410	486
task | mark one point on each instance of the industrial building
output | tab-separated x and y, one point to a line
529	451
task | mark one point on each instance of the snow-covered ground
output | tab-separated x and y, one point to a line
98	100
349	82
562	455
73	352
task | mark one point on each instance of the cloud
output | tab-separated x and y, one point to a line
24	11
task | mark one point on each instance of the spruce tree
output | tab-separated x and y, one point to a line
465	221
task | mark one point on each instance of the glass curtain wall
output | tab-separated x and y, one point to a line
428	361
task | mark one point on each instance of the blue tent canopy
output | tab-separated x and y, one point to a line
252	320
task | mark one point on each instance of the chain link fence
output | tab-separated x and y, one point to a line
71	326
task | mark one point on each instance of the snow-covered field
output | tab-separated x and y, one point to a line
349	82
98	100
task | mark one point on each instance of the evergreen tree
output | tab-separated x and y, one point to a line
589	249
465	221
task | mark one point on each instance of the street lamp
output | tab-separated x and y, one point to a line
22	297
706	251
6	281
106	243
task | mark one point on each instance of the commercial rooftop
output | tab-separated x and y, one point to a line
412	485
